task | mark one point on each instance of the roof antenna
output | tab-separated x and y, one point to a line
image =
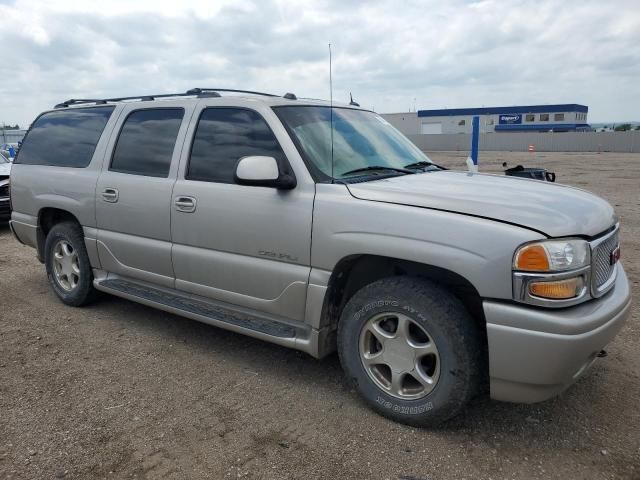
331	112
351	102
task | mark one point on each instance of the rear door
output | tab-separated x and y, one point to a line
133	195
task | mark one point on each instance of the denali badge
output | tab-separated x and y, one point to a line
615	255
278	256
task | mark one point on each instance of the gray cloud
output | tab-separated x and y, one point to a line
452	54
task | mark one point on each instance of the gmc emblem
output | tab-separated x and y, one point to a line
614	256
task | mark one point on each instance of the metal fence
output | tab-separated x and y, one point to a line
624	142
11	136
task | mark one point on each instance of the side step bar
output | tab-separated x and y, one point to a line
213	313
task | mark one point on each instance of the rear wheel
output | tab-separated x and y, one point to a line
411	349
67	263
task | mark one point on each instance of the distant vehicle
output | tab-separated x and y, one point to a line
5	171
319	227
10	150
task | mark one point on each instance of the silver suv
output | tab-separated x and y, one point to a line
321	227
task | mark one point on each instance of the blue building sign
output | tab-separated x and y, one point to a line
511	119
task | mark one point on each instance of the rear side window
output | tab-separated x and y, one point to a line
146	142
65	138
223	136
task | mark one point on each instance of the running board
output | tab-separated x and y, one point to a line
213	313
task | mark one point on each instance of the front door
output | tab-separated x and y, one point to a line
133	196
244	245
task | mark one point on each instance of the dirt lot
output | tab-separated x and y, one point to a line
119	390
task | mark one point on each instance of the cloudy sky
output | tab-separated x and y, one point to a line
390	54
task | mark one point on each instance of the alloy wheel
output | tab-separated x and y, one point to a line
399	355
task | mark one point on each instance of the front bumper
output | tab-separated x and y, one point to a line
535	353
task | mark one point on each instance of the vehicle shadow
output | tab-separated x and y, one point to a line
569	415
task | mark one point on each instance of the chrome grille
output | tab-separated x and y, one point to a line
601	269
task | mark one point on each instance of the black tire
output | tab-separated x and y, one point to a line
449	326
83	292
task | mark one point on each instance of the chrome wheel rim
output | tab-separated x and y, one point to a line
66	268
399	355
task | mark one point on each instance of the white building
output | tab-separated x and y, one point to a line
538	118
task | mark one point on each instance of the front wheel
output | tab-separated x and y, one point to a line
411	349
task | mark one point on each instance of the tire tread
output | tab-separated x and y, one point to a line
454	319
85	292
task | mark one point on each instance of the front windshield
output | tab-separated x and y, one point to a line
361	139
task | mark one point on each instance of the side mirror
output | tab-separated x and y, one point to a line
262	171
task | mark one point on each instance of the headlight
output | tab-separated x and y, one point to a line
552	273
552	256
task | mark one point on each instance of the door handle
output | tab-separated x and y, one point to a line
185	204
110	195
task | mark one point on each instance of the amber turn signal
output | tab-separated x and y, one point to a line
532	258
558	290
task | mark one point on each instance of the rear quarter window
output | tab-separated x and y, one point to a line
65	138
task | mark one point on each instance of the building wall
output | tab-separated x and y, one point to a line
462	123
493	119
408	123
450	124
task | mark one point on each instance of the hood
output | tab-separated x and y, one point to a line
549	208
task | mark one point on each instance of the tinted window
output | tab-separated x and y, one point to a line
223	136
65	138
146	141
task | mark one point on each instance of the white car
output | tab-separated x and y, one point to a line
5	171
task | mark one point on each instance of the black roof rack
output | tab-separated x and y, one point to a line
199	92
74	101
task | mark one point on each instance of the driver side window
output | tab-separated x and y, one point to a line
225	135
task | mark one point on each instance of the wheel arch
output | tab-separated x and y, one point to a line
47	218
353	272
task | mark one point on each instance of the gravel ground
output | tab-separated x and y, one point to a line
119	390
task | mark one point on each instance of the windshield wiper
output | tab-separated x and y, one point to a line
378	167
424	164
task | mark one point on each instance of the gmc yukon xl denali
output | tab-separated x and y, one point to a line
320	227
